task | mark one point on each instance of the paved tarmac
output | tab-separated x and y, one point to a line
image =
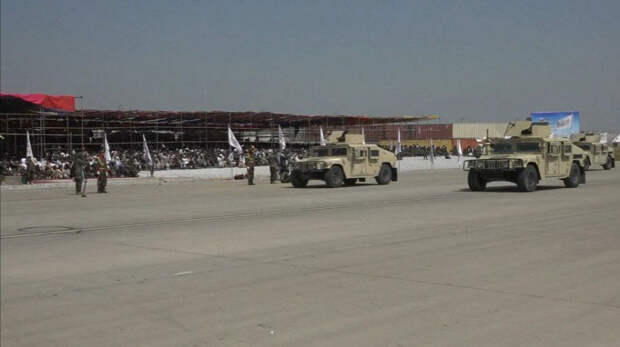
422	262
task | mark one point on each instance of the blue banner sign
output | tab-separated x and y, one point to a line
563	124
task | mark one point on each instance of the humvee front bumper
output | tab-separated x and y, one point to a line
493	164
317	174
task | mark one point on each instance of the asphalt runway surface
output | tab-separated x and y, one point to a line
421	262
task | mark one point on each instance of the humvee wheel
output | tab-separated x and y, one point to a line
350	181
334	177
574	179
385	174
608	164
528	179
476	182
297	180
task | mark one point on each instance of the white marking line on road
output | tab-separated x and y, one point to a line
183	273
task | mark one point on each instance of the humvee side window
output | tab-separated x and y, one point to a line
528	147
553	148
339	151
374	153
568	149
501	147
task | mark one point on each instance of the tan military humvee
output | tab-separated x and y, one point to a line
596	153
525	156
344	161
616	147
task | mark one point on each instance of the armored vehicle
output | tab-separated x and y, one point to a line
344	160
526	155
596	153
616	147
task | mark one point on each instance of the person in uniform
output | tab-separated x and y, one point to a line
273	166
3	169
102	168
76	171
249	163
29	170
81	160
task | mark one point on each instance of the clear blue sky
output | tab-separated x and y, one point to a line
472	60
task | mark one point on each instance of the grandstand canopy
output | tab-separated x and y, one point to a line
42	104
257	119
21	103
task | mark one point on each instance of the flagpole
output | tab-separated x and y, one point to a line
230	153
232	169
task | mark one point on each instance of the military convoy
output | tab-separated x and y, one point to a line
596	153
345	160
527	154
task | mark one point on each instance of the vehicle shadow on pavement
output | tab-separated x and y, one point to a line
322	186
509	189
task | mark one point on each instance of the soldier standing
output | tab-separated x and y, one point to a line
249	162
76	170
80	172
102	168
29	170
273	166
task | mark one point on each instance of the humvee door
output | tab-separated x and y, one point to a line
359	162
553	160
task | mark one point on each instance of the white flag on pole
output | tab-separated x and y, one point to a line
323	142
398	146
363	137
106	147
145	149
459	150
232	141
281	138
28	146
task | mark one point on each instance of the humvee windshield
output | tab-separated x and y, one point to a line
508	147
584	146
326	152
501	147
320	152
528	147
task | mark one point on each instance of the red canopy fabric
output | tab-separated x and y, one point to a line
56	102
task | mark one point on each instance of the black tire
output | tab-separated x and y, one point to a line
574	179
334	178
350	182
298	180
608	165
476	182
385	174
528	179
